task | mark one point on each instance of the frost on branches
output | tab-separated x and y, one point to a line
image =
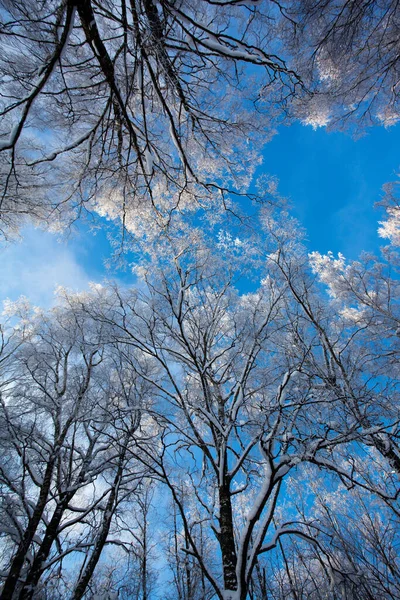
257	417
346	54
134	110
125	108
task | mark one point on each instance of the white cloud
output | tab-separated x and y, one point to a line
36	265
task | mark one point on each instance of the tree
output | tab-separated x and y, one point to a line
139	582
348	56
68	467
124	107
136	110
250	388
357	532
188	580
230	399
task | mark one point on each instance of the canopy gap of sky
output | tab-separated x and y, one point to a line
332	180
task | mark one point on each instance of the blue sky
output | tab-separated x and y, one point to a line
332	180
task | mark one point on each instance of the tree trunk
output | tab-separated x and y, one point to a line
97	550
19	558
102	537
144	561
227	539
36	570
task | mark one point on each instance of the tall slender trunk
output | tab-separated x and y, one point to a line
288	573
188	591
144	561
19	558
50	536
227	538
83	582
262	580
203	580
36	570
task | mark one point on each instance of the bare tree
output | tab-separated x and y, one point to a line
242	401
358	533
134	110
348	56
188	579
246	406
68	466
123	106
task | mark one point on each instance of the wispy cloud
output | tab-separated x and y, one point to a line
36	265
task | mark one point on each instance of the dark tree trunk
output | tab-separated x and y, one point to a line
96	553
36	570
20	556
144	561
227	539
51	532
102	537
